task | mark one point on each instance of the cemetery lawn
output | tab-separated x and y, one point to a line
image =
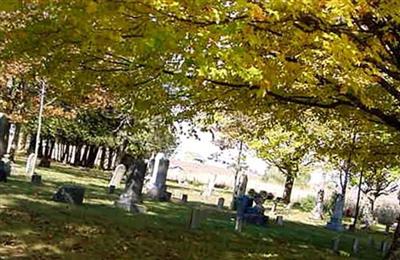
34	227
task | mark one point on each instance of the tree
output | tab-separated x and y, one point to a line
378	182
288	150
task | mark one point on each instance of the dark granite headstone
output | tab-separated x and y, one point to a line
36	179
70	194
130	199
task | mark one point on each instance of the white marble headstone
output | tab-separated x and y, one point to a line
29	165
118	173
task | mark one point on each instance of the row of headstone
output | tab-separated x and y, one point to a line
383	247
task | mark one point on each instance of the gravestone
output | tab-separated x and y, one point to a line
356	246
220	203
337	216
210	186
279	220
385	248
318	211
29	165
184	198
196	217
335	245
156	188
118	173
71	194
131	198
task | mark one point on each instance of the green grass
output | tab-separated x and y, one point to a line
34	227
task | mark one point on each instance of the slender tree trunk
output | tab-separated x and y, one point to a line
32	142
40	151
287	193
78	155
103	158
394	253
21	140
72	155
15	142
110	158
91	156
353	226
237	171
4	132
66	153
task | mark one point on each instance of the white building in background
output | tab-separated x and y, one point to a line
203	150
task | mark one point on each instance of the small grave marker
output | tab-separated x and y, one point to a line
335	245
184	198
356	246
279	220
220	203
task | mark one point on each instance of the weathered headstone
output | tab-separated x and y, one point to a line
71	194
220	203
371	241
157	184
356	246
29	165
318	211
131	198
279	220
118	173
184	198
196	217
210	186
335	245
385	248
337	216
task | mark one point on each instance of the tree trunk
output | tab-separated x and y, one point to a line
103	158
354	225
78	155
85	155
16	141
66	153
21	140
4	132
394	253
91	156
32	142
110	158
287	193
40	153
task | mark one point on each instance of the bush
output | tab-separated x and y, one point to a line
305	204
387	212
